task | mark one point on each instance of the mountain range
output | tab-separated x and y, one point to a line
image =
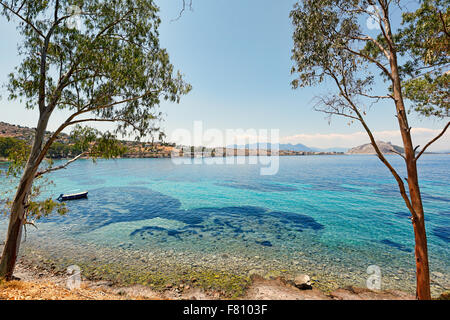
286	147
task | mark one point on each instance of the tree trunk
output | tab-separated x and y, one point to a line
14	234
11	249
422	267
18	209
418	219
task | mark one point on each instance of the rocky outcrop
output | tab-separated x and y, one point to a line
385	147
303	282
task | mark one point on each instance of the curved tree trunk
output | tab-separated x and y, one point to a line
14	233
19	206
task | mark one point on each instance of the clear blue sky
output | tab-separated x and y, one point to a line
236	54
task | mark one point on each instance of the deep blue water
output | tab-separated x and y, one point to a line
341	211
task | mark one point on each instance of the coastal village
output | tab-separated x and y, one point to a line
134	149
151	149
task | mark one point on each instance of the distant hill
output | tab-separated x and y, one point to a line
25	133
18	132
296	147
333	150
63	147
385	147
287	147
270	146
302	147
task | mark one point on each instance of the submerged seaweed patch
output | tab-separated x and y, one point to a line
146	230
150	229
396	245
264	243
137	203
239	223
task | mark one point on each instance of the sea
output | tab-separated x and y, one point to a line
334	217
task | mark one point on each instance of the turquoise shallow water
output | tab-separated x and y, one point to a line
333	214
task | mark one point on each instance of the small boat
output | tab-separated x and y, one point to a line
73	196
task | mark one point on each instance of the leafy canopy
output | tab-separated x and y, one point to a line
425	39
332	40
99	58
329	43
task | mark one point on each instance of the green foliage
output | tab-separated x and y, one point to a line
425	41
96	144
62	150
322	31
425	32
39	209
83	137
327	47
8	145
430	94
37	205
16	152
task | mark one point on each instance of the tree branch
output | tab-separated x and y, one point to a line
432	141
380	155
183	9
63	81
444	25
368	38
104	120
43	64
63	166
398	153
28	22
69	121
376	97
383	68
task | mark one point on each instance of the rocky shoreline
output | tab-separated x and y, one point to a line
259	288
100	281
179	273
172	276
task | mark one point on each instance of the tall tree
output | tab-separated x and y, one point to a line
98	61
332	42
